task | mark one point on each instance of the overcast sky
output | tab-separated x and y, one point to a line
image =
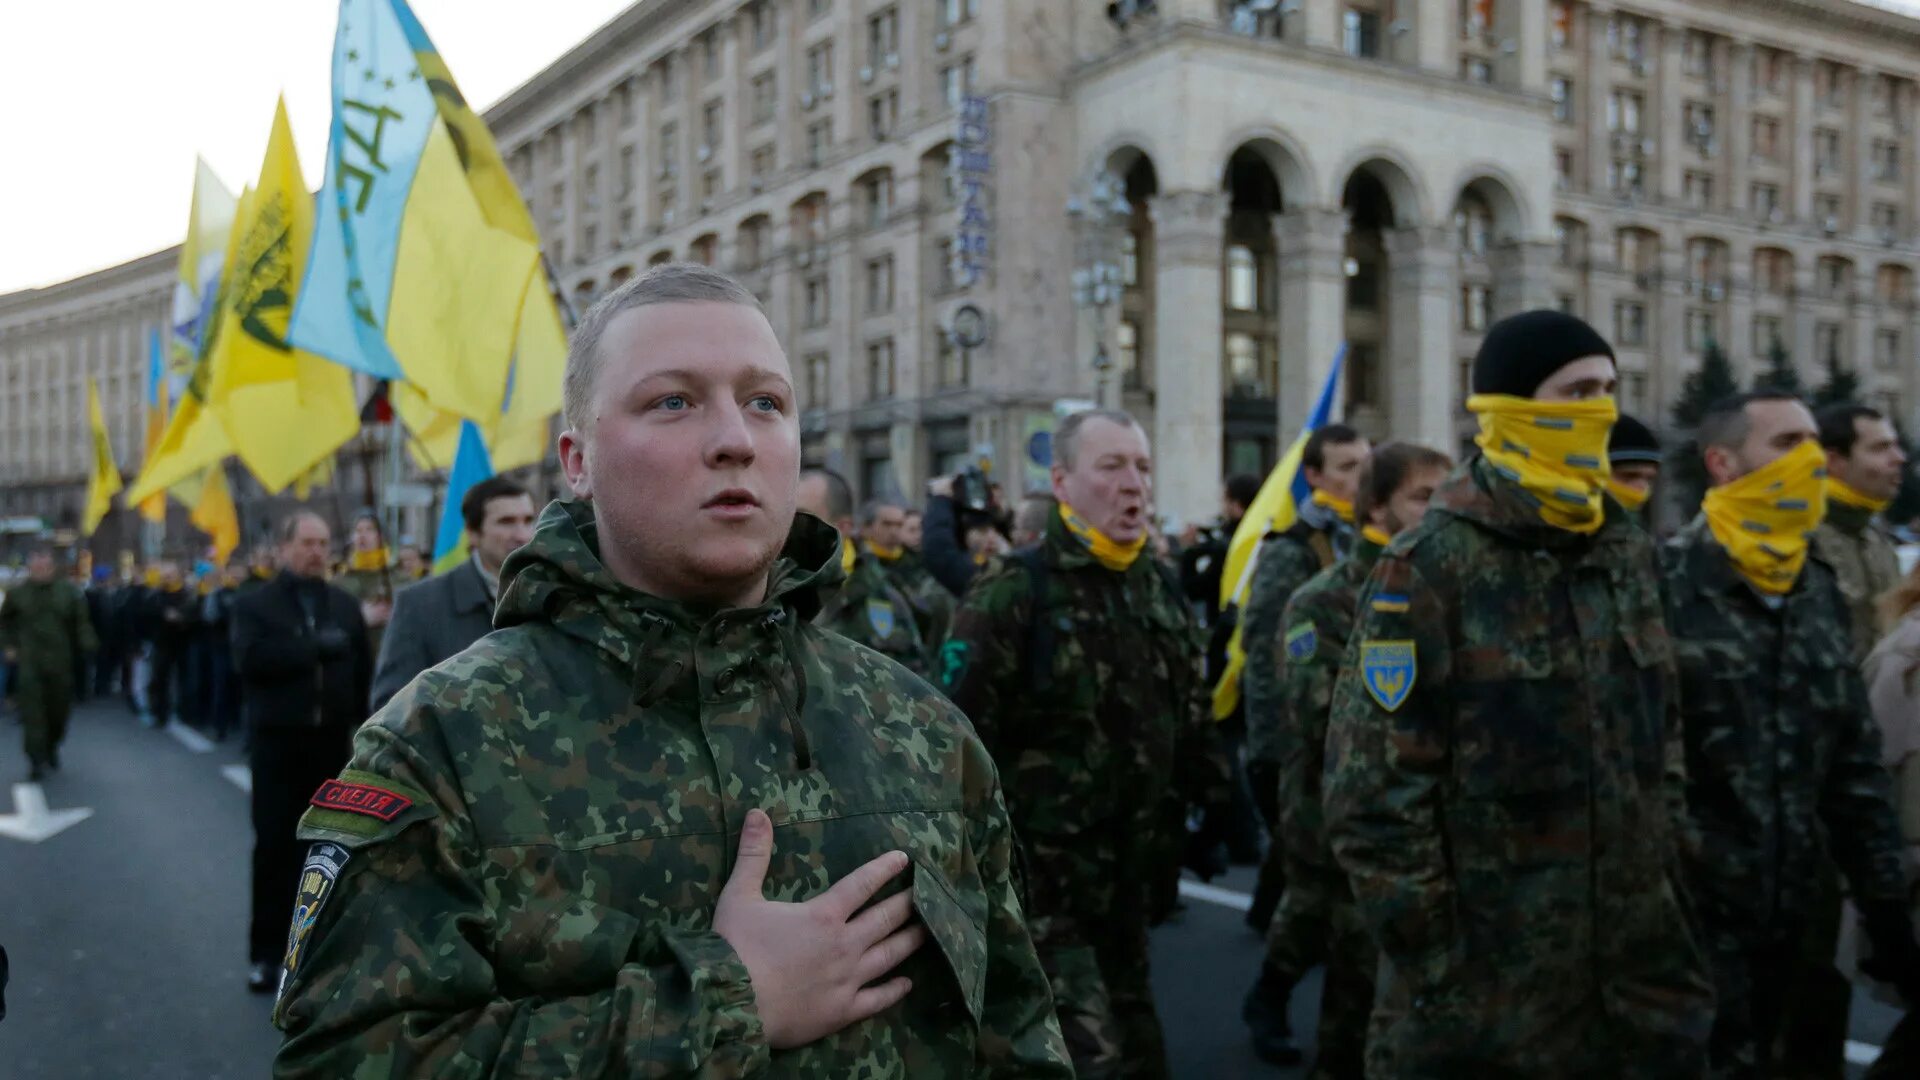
103	104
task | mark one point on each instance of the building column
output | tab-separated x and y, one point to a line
1522	23
1667	304
1318	24
1800	127
1436	31
1522	276
1597	89
1800	336
1736	121
1860	176
1189	228
1736	337
1312	247
1667	101
1418	367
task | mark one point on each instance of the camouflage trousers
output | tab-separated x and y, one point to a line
1755	977
46	701
1088	918
1316	924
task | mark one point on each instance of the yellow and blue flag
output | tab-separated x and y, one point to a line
470	466
104	483
424	265
1273	509
154	507
197	275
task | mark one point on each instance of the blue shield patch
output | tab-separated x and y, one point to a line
880	617
1389	669
1302	641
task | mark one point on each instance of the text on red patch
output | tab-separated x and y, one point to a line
360	799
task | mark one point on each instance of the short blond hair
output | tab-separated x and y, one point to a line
668	283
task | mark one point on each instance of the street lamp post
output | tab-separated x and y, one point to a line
1099	212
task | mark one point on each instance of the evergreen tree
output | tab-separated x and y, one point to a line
1780	374
1842	385
1712	381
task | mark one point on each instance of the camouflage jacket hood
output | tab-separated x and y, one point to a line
1476	493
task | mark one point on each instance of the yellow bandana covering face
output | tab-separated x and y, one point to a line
1340	507
368	560
1763	519
884	554
1847	495
1376	536
1630	497
1555	450
1110	554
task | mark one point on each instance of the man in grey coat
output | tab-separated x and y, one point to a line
441	616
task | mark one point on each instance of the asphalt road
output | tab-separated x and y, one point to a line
127	931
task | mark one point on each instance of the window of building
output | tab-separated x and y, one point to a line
1476	19
818	389
1130	258
590	187
1766	139
1630	323
1827	348
705	250
559	256
880	285
589	240
1702	330
956	81
883	37
764	92
876	197
1363	376
669	79
1699	130
820	69
1476	308
818	301
1126	348
1363	284
1894	285
756	241
1475	70
1886	220
1833	276
712	125
1886	349
1563	170
1829	84
589	124
624	96
1473	225
710	54
1826	210
880	369
1569	240
1886	160
760	19
555	150
712	183
629	155
1625	178
1769	71
954	12
762	163
883	114
1826	152
669	149
1697	189
952	363
810	220
1361	32
1696	54
1627	38
1559	24
1563	100
1246	375
943	264
1766	334
1766	202
1623	112
1243	279
1772	271
664	206
626	226
819	141
558	210
817	8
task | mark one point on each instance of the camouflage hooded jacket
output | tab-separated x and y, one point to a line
44	623
517	873
1504	780
1866	564
1287	560
868	609
1783	755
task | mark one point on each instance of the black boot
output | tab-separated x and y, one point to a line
1266	893
1265	1013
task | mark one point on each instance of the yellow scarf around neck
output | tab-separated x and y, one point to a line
1847	495
1764	518
1373	534
847	556
884	554
1556	451
1109	553
1341	508
368	560
1630	497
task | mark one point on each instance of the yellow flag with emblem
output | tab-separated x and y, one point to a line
214	514
105	481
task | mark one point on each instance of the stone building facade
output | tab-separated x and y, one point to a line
893	178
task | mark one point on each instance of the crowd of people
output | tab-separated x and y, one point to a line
711	769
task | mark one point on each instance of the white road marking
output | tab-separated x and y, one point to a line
1859	1053
189	738
1213	894
240	776
33	822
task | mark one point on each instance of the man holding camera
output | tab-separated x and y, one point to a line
305	664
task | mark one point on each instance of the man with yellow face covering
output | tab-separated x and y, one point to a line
1079	665
1504	781
1633	452
1783	757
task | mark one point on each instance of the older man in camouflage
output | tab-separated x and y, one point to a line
1783	756
1316	922
1080	667
1504	782
657	823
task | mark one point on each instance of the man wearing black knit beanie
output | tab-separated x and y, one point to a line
1504	783
1634	455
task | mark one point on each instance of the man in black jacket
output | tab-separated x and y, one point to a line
305	666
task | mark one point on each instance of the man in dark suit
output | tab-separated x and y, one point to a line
440	617
302	653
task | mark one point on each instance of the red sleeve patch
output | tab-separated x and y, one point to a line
361	799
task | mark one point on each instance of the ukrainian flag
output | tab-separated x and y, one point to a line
1273	510
424	262
470	466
